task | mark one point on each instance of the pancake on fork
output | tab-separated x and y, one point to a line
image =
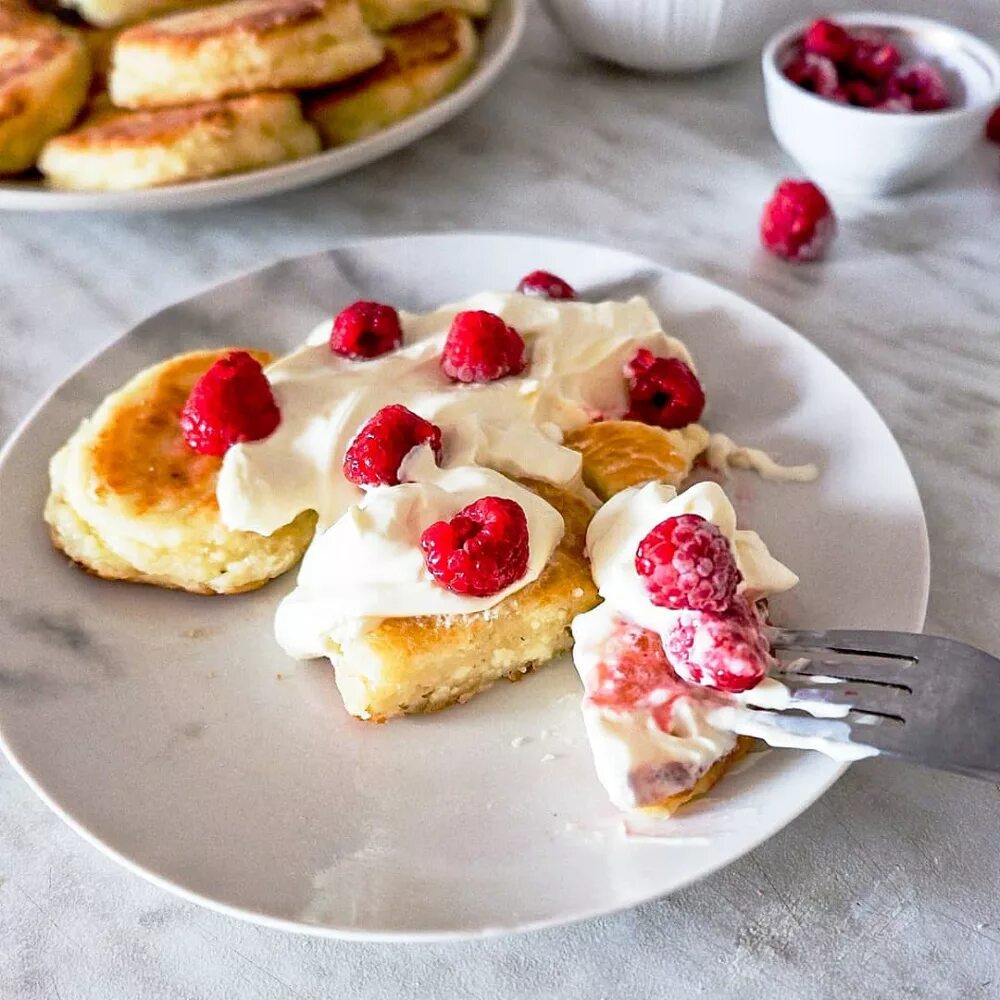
130	501
114	150
384	15
423	62
44	76
239	48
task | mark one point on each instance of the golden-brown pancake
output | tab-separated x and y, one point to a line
423	61
44	77
116	150
239	48
130	500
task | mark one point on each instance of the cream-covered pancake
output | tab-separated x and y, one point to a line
44	77
130	500
115	150
239	48
423	61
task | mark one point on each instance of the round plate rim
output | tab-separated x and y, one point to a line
436	936
20	196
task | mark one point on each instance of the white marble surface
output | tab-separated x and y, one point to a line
888	887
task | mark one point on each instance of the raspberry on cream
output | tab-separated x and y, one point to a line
369	565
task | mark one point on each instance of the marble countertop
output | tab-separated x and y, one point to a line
887	887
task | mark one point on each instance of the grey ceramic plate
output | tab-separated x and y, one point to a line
172	732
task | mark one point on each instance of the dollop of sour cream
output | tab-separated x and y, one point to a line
368	566
576	352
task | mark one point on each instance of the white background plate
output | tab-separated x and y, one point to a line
499	42
156	723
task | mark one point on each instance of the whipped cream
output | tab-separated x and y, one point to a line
368	566
576	352
637	760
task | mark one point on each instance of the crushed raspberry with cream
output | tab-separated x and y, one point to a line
667	689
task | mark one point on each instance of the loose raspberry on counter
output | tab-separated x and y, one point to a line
230	403
481	347
374	456
824	38
728	652
546	285
663	392
993	126
798	222
686	562
365	330
481	550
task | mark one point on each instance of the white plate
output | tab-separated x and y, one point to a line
171	731
499	43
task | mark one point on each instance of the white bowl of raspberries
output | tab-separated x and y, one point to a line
871	104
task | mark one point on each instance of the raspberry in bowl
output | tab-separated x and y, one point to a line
871	104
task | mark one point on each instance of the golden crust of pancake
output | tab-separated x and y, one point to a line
423	61
239	48
384	15
44	77
618	454
117	150
409	665
130	501
672	803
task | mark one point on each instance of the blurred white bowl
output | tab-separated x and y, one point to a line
671	35
859	151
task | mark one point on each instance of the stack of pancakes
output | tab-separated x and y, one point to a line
107	97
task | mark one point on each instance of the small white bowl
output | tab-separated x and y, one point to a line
863	152
670	35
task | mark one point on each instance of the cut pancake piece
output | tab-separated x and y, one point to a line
130	501
384	15
618	454
422	664
239	48
44	77
423	61
117	150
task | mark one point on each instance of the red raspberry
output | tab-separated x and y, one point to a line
546	285
825	38
874	61
481	550
860	94
923	84
663	392
231	402
686	562
798	223
728	652
896	105
374	456
813	73
480	347
993	126
365	330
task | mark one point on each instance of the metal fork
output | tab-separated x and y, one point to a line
925	699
